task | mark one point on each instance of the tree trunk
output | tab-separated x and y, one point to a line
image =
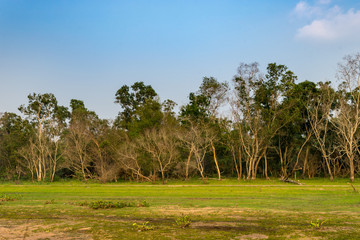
266	175
215	160
305	161
235	163
240	164
329	169
187	165
352	177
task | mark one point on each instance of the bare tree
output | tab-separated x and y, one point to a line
247	117
347	121
232	141
162	145
319	111
78	144
187	141
197	139
47	118
127	157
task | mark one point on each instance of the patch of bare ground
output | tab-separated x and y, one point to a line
175	210
252	236
29	230
347	213
336	229
300	235
230	213
224	226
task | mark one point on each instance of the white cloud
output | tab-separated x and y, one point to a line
318	29
303	9
329	23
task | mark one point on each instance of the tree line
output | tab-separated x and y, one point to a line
258	125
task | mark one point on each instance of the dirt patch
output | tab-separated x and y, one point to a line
27	230
252	236
300	235
176	210
225	226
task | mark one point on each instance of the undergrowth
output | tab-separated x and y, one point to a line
6	197
101	204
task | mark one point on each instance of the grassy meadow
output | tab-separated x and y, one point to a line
227	209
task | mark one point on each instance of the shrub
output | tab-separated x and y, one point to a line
184	221
5	197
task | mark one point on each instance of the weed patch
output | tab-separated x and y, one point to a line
101	204
143	227
5	197
184	221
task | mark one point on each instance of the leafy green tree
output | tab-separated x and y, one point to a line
295	134
258	109
197	109
141	108
14	134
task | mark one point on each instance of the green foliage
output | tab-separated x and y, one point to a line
143	203
142	227
271	131
317	224
183	221
6	197
101	204
140	107
14	134
108	204
197	109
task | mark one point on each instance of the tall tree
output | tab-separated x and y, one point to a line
79	139
320	108
45	114
295	134
203	109
258	110
347	121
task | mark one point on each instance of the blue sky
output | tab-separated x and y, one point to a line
87	49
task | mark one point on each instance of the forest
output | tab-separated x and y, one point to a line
258	125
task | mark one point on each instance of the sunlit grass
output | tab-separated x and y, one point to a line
227	208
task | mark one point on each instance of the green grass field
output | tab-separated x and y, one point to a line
225	209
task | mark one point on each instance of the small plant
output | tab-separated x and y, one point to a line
143	227
52	201
317	224
9	197
184	221
144	203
